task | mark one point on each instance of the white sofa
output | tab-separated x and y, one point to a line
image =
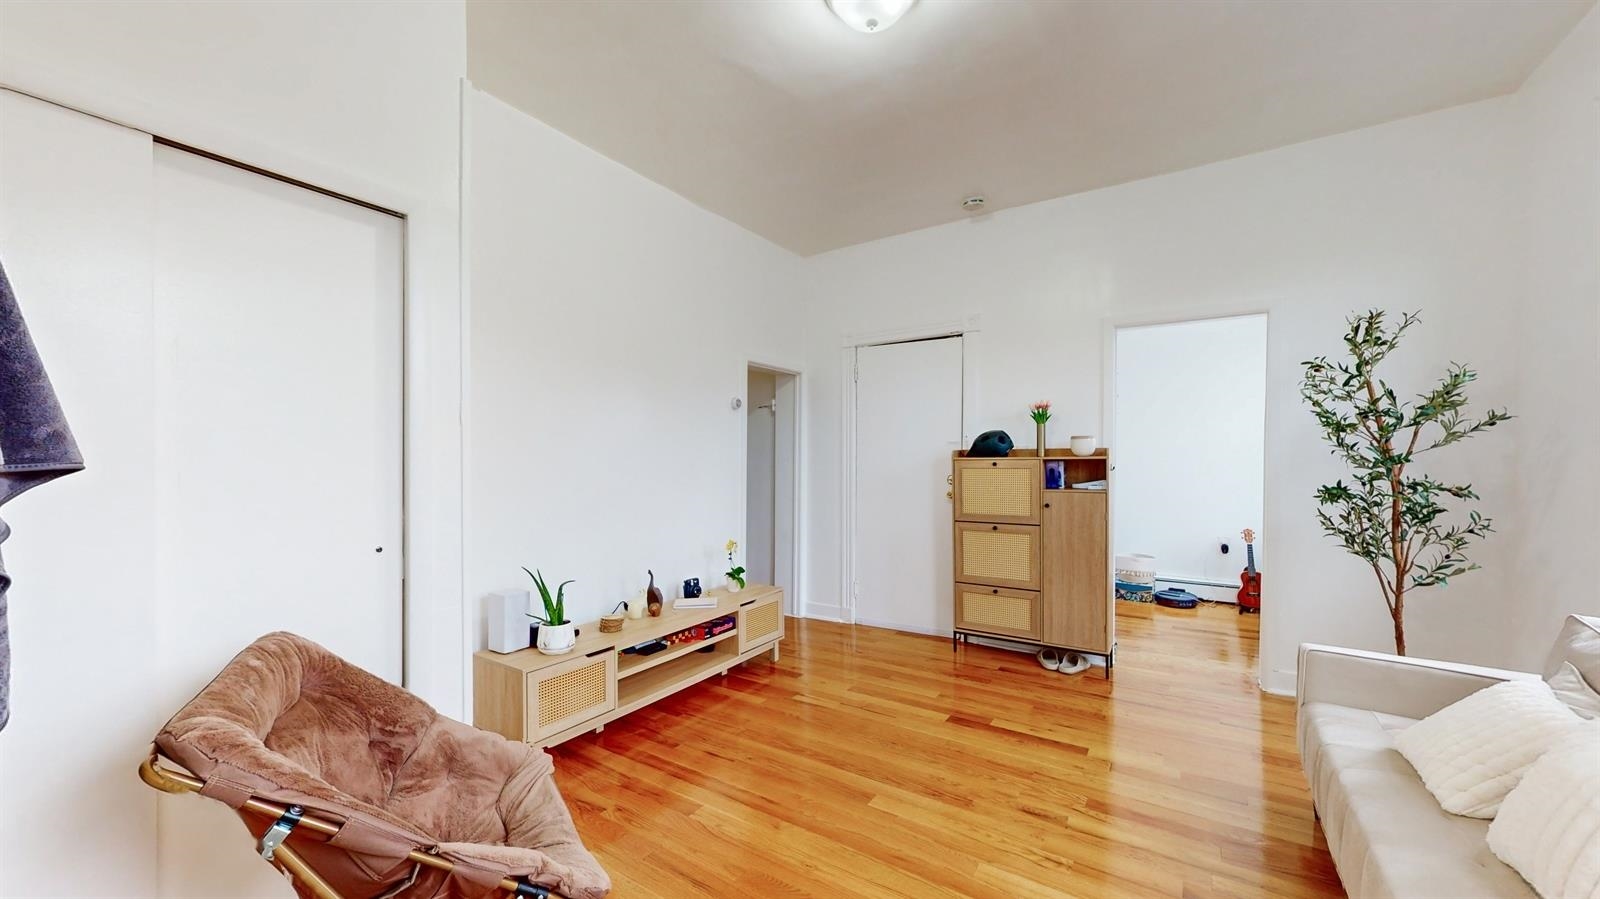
1387	834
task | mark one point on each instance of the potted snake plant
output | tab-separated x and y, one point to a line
557	635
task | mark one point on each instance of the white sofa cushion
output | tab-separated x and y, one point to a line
1471	753
1575	692
1579	644
1548	828
1389	838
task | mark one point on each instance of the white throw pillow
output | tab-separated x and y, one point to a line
1471	753
1572	689
1548	829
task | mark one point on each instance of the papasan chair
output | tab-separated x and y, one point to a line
356	788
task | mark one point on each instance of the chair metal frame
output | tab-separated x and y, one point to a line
281	856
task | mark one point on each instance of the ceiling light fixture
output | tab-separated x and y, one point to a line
869	16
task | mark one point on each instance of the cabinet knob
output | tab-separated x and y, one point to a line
994	591
994	527
1047	505
994	464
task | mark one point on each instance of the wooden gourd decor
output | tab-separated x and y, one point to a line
654	599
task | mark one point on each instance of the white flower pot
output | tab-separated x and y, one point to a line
733	586
556	639
1082	445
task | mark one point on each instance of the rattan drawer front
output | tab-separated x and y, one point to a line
1001	555
760	622
997	610
1003	490
571	693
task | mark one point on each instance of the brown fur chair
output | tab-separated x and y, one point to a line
290	723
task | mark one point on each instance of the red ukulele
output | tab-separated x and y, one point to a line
1250	578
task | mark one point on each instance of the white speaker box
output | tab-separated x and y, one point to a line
508	620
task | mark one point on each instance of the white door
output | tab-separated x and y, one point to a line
278	376
75	241
278	408
908	420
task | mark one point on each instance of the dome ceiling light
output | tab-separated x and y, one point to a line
869	16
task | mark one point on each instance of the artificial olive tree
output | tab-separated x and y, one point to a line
1389	515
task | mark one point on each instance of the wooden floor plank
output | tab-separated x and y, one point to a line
874	763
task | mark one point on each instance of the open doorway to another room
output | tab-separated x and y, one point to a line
771	455
1188	417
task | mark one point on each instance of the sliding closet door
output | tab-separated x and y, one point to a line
278	312
278	378
75	241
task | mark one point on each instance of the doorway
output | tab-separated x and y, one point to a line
907	423
1188	425
772	451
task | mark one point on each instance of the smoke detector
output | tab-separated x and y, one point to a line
973	203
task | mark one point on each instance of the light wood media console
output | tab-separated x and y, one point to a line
544	700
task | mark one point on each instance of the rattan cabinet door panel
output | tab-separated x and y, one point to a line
997	610
570	693
998	490
760	622
1000	555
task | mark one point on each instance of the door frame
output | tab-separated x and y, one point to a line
969	329
791	597
1173	315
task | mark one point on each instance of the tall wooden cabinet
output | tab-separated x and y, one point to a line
1033	564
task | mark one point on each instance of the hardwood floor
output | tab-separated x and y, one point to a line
875	763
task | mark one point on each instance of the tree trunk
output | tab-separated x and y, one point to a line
1400	620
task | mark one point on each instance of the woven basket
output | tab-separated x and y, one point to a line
1136	577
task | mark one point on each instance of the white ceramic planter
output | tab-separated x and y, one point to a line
1082	445
557	639
733	586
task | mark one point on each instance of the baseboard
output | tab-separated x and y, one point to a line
823	612
893	626
1279	682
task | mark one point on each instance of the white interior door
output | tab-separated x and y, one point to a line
279	396
278	312
908	419
75	241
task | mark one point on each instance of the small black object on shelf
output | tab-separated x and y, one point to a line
990	444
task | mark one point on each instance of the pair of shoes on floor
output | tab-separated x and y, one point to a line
1071	663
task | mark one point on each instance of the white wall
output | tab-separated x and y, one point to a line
1407	215
1190	410
1558	340
760	475
610	323
358	97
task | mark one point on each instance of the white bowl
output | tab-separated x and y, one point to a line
1082	445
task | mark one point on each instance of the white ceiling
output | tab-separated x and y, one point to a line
775	115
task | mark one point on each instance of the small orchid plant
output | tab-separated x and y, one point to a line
735	572
1039	412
